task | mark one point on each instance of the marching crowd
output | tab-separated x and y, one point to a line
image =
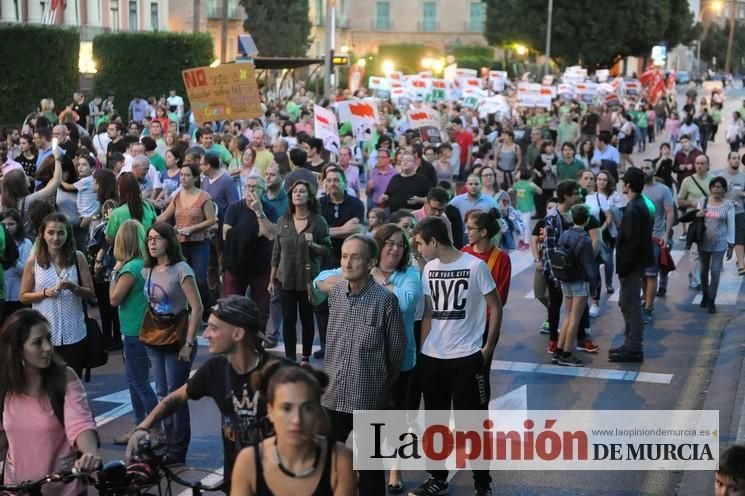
394	250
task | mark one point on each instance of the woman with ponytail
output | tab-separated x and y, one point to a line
300	458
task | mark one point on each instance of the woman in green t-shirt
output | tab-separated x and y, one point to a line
126	292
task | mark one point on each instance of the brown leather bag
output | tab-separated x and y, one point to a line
159	330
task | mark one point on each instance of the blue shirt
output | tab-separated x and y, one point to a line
42	155
407	286
138	110
610	153
463	203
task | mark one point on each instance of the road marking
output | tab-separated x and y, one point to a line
517	399
730	283
209	480
521	260
586	372
125	406
676	254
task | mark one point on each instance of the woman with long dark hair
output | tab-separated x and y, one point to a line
28	155
12	276
132	206
169	329
302	240
46	419
55	281
300	458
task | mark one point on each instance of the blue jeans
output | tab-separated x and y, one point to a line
197	254
137	367
170	374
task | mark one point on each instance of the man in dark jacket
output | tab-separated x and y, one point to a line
633	254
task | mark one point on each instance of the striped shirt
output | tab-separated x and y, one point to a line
720	226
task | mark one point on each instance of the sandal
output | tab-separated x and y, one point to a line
396	488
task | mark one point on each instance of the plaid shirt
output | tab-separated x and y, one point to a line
365	342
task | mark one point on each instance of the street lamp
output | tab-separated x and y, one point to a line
715	6
388	67
521	50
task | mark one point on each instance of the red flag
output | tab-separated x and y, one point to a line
57	3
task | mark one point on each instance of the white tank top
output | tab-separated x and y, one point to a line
64	313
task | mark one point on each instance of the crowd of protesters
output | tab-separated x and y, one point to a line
236	229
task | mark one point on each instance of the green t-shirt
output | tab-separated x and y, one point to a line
220	151
132	309
569	171
524	196
158	162
119	215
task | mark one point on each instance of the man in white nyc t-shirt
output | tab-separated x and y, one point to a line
458	288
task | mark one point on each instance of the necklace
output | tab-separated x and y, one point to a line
302	218
296	475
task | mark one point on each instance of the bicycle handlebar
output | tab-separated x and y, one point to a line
145	449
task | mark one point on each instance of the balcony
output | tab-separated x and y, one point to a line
381	24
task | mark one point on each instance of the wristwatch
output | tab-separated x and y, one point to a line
536	260
190	344
262	215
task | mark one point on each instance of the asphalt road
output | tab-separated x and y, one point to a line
680	348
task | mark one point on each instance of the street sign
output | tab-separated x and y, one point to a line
246	48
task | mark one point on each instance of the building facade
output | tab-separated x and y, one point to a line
363	25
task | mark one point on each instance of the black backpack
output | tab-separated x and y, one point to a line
564	263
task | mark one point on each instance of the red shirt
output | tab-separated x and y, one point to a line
501	272
464	140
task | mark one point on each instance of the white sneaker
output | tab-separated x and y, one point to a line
594	311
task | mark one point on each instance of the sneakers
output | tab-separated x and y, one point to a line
522	246
482	491
704	301
555	357
588	332
431	487
682	237
319	354
661	292
545	328
626	356
594	310
647	316
587	346
712	307
609	290
552	345
570	361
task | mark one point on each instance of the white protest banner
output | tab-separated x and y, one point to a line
496	104
548	80
423	116
400	97
439	90
397	75
472	96
602	75
450	72
549	90
471	82
498	80
426	75
325	128
565	90
466	73
632	86
586	91
363	114
378	83
418	87
534	95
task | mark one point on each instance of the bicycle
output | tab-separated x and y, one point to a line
115	478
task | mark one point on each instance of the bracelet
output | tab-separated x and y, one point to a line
146	431
44	292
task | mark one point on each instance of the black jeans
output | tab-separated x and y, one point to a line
458	384
292	301
73	355
372	482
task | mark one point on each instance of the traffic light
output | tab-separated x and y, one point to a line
340	60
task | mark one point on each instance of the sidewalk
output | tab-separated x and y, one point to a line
726	393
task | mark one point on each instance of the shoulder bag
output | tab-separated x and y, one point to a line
163	329
96	354
696	230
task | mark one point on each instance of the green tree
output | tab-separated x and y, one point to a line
280	28
593	32
473	57
40	62
714	45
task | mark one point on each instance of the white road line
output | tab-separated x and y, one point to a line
729	287
209	480
521	260
586	372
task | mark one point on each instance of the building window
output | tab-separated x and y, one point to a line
115	15
133	15
382	18
429	16
319	13
154	19
211	14
476	18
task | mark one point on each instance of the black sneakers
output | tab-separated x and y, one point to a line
431	487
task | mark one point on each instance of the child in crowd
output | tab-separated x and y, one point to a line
525	190
86	199
729	480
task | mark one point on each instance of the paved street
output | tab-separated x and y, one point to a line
680	349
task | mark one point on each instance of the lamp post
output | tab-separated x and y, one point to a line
548	36
715	6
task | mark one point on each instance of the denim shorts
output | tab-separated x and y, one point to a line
578	288
652	270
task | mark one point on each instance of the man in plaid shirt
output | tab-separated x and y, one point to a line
365	343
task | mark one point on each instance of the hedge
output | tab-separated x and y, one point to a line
146	64
40	62
473	56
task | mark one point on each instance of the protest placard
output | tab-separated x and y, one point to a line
225	92
423	116
325	128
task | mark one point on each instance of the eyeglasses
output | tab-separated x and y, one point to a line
155	239
473	228
393	244
336	211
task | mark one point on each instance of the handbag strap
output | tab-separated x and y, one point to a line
493	258
693	178
82	300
